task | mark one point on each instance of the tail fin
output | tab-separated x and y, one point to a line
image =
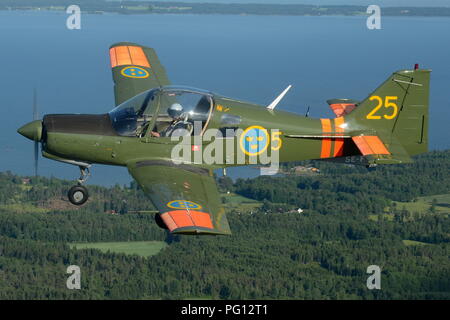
397	112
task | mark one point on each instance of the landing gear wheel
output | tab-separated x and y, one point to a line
78	195
159	221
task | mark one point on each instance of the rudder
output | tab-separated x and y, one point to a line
397	112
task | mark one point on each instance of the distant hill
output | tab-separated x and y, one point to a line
386	3
173	7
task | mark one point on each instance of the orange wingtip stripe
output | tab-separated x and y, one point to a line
184	218
112	56
202	219
122	56
171	225
128	55
370	145
326	143
138	57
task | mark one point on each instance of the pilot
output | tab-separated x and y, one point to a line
178	124
175	111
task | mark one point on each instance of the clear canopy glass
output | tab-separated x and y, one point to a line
162	110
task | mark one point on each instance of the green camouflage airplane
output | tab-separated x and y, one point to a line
144	130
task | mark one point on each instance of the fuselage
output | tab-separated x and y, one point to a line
232	133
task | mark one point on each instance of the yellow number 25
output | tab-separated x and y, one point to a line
388	103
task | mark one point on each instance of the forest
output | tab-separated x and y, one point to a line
396	217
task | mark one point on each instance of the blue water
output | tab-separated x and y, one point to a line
248	57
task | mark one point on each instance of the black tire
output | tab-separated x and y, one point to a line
159	221
78	195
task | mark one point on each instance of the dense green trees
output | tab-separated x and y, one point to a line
349	222
354	190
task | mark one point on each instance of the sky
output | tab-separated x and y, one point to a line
411	3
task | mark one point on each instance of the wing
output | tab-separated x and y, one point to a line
186	196
135	69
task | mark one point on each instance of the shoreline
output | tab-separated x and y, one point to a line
177	8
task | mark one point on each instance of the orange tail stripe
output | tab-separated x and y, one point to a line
339	143
326	143
338	122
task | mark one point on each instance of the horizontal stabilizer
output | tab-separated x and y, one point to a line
341	107
376	152
370	145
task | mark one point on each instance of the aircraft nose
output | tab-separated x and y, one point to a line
32	130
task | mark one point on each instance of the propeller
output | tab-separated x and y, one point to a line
36	143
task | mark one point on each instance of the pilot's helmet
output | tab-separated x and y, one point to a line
175	110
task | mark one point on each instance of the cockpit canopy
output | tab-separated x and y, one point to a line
164	111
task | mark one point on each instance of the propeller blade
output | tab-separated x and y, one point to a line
36	144
36	157
35	110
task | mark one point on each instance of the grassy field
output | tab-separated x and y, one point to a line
374	217
22	208
423	204
234	201
199	298
414	243
140	248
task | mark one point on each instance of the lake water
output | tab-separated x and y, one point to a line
248	57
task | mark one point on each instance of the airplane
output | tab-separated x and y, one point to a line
150	117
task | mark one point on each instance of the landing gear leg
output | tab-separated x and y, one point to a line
78	194
85	173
